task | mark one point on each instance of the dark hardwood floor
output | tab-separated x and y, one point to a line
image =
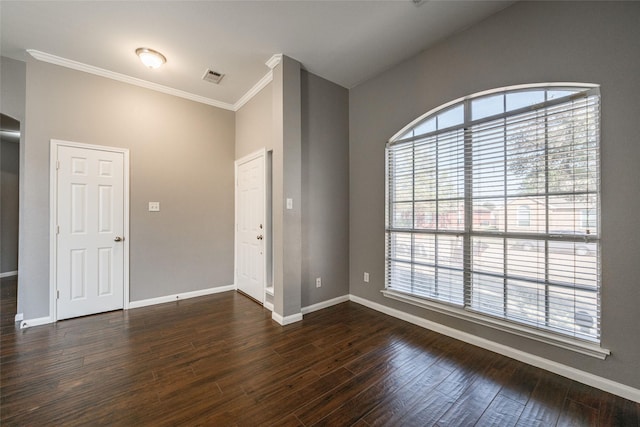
220	360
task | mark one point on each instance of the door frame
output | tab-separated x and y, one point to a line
262	153
53	219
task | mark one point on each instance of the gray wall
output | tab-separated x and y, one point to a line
9	196
12	86
254	124
529	42
325	189
181	155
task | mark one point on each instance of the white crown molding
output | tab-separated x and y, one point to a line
79	66
254	90
268	78
274	60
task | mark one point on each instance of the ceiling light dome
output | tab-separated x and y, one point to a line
150	57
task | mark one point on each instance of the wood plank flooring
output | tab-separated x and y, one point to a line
220	360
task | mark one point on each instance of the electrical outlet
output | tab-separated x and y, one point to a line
154	206
318	282
366	277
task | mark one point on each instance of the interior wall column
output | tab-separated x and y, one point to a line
287	189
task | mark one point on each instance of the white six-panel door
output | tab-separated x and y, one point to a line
90	213
250	227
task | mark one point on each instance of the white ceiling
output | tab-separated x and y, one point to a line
346	42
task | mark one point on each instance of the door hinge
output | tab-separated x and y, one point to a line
57	294
57	164
57	229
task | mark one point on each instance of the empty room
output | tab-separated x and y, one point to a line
305	213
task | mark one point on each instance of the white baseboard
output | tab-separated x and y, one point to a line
137	304
587	378
178	297
8	274
29	323
286	320
324	304
19	317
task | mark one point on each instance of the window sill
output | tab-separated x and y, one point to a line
582	347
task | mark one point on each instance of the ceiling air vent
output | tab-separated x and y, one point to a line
212	76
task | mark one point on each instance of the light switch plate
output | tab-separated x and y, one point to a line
289	203
154	206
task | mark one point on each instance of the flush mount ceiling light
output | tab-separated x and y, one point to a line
150	57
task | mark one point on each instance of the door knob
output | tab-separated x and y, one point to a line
118	239
259	237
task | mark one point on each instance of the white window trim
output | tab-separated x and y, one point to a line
582	347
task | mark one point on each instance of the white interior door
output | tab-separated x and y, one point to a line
90	231
250	226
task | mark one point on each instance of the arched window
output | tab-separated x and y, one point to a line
455	175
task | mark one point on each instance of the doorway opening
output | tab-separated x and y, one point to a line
253	238
89	229
9	214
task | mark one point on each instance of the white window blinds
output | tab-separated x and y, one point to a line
492	205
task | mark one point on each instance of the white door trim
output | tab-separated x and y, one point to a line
266	242
53	221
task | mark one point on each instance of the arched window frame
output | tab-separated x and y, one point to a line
411	251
